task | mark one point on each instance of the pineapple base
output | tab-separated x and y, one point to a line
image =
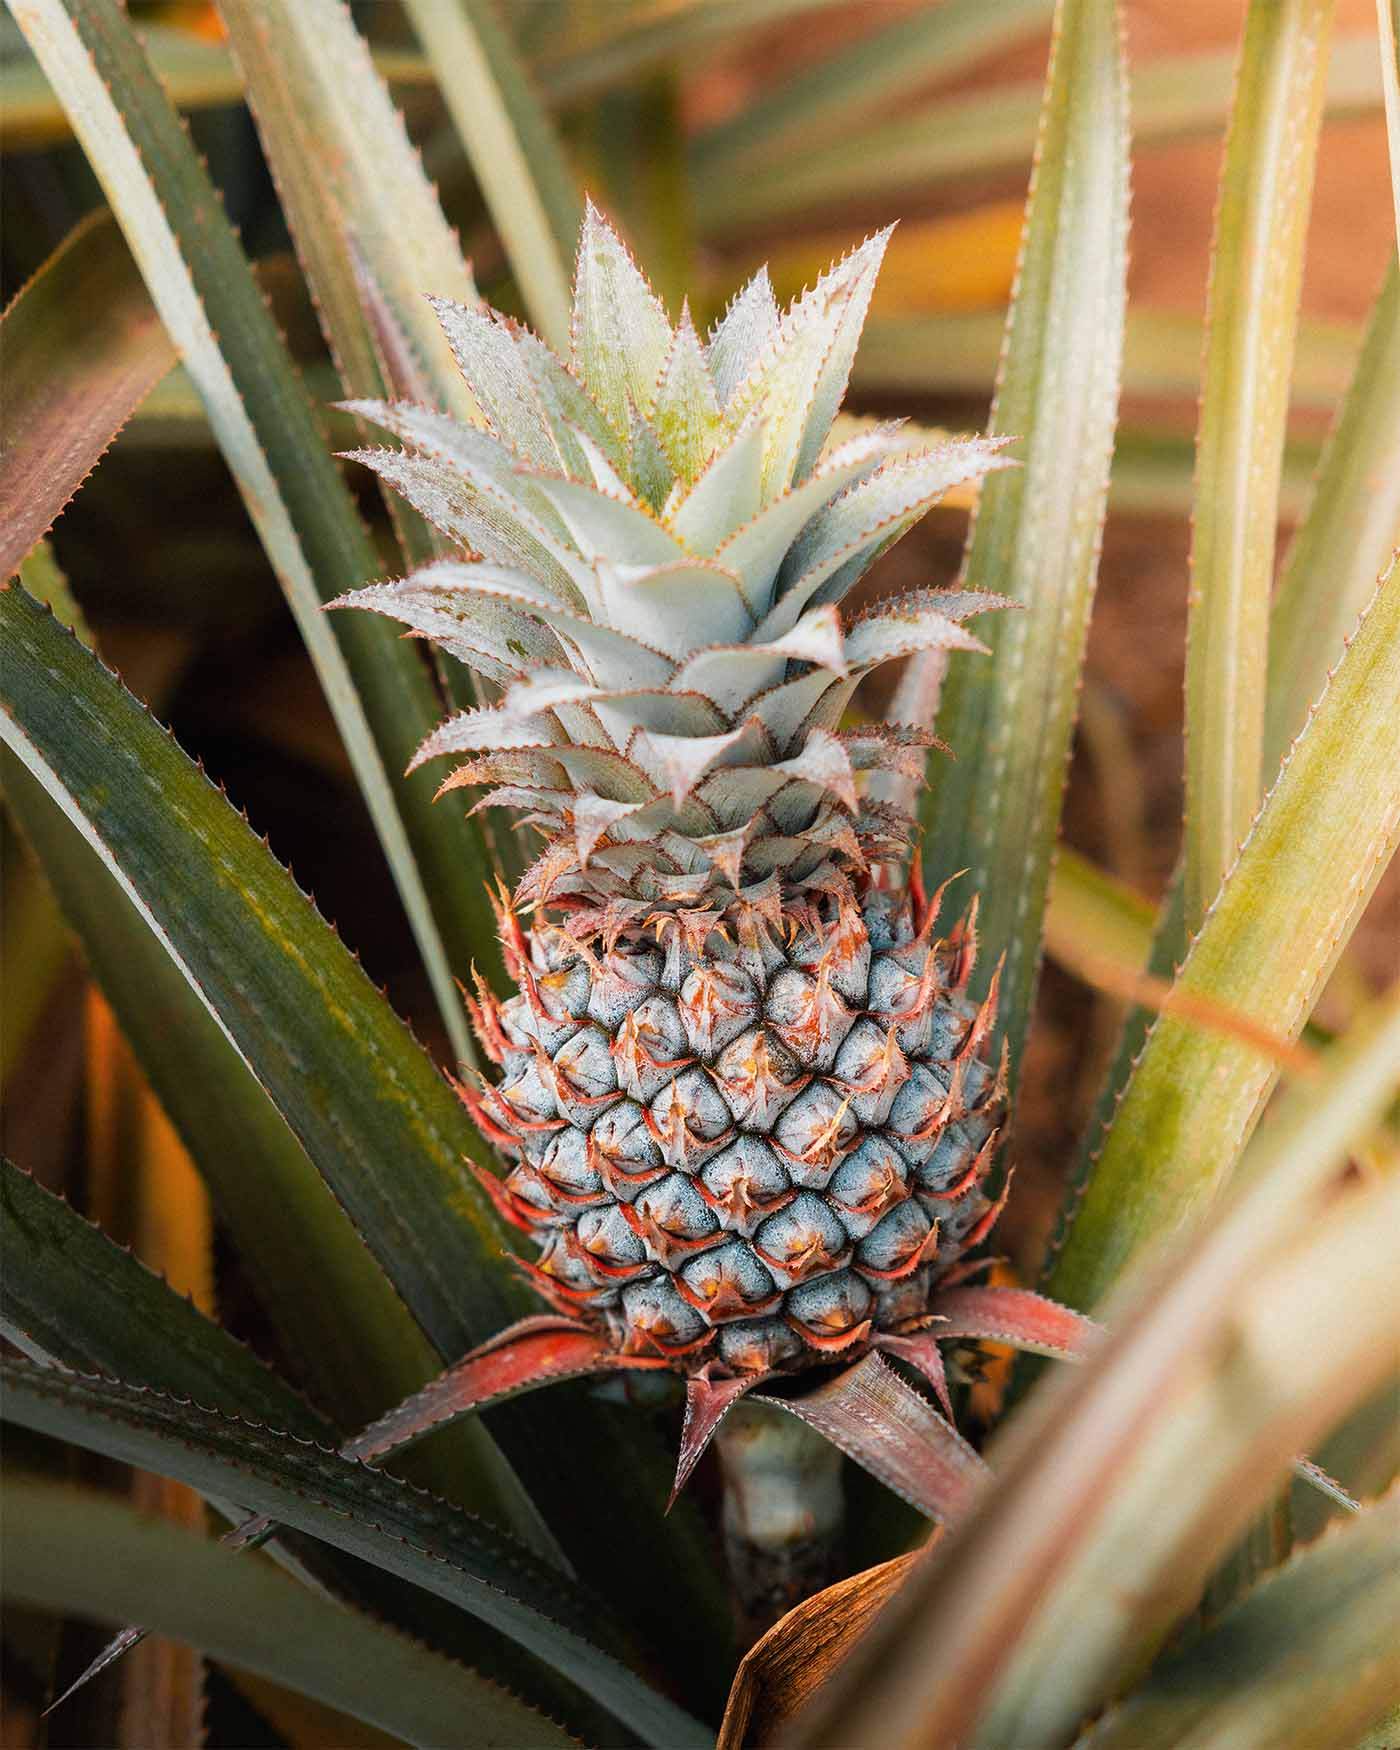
749	1138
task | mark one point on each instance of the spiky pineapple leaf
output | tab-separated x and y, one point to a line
363	1512
619	333
512	146
349	180
378	688
1350	528
83	346
996	810
1314	854
1121	1483
244	1612
1307	1657
1256	274
69	1294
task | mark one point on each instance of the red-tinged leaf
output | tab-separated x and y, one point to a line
530	1353
1018	1317
886	1427
707	1401
83	346
920	1349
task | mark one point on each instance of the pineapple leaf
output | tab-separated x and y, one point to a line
1307	1657
226	918
350	183
1350	528
70	1295
885	1426
687	410
71	383
1314	854
1389	19
1256	274
378	688
362	1512
512	145
1183	1421
1036	535
245	1612
725	495
620	334
742	336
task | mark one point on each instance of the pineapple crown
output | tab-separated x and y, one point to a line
657	537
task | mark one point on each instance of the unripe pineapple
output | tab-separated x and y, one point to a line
745	1107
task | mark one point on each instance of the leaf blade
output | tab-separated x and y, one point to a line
1036	533
246	1613
70	384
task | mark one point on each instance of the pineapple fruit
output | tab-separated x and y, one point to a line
745	1107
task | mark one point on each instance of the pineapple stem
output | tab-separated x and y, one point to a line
783	1514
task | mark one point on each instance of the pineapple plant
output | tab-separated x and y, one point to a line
747	1108
738	1055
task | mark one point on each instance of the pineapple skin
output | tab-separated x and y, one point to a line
760	1146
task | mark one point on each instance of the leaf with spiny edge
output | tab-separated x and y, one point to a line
620	333
742	335
686	416
725	495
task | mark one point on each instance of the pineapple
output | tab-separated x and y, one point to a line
745	1107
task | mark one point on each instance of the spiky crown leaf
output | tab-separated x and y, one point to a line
657	538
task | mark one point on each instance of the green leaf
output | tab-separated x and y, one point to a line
364	1512
996	809
1312	859
369	1108
514	151
1252	312
69	1294
245	1613
83	346
1120	1483
1351	527
1176	97
343	1326
1309	1657
936	42
378	688
349	179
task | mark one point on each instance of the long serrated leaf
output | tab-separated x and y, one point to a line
1319	845
363	1512
71	1295
344	1328
1309	1657
1036	534
514	151
1350	527
349	179
1252	312
244	1612
1175	97
378	688
371	1111
83	346
1119	1485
